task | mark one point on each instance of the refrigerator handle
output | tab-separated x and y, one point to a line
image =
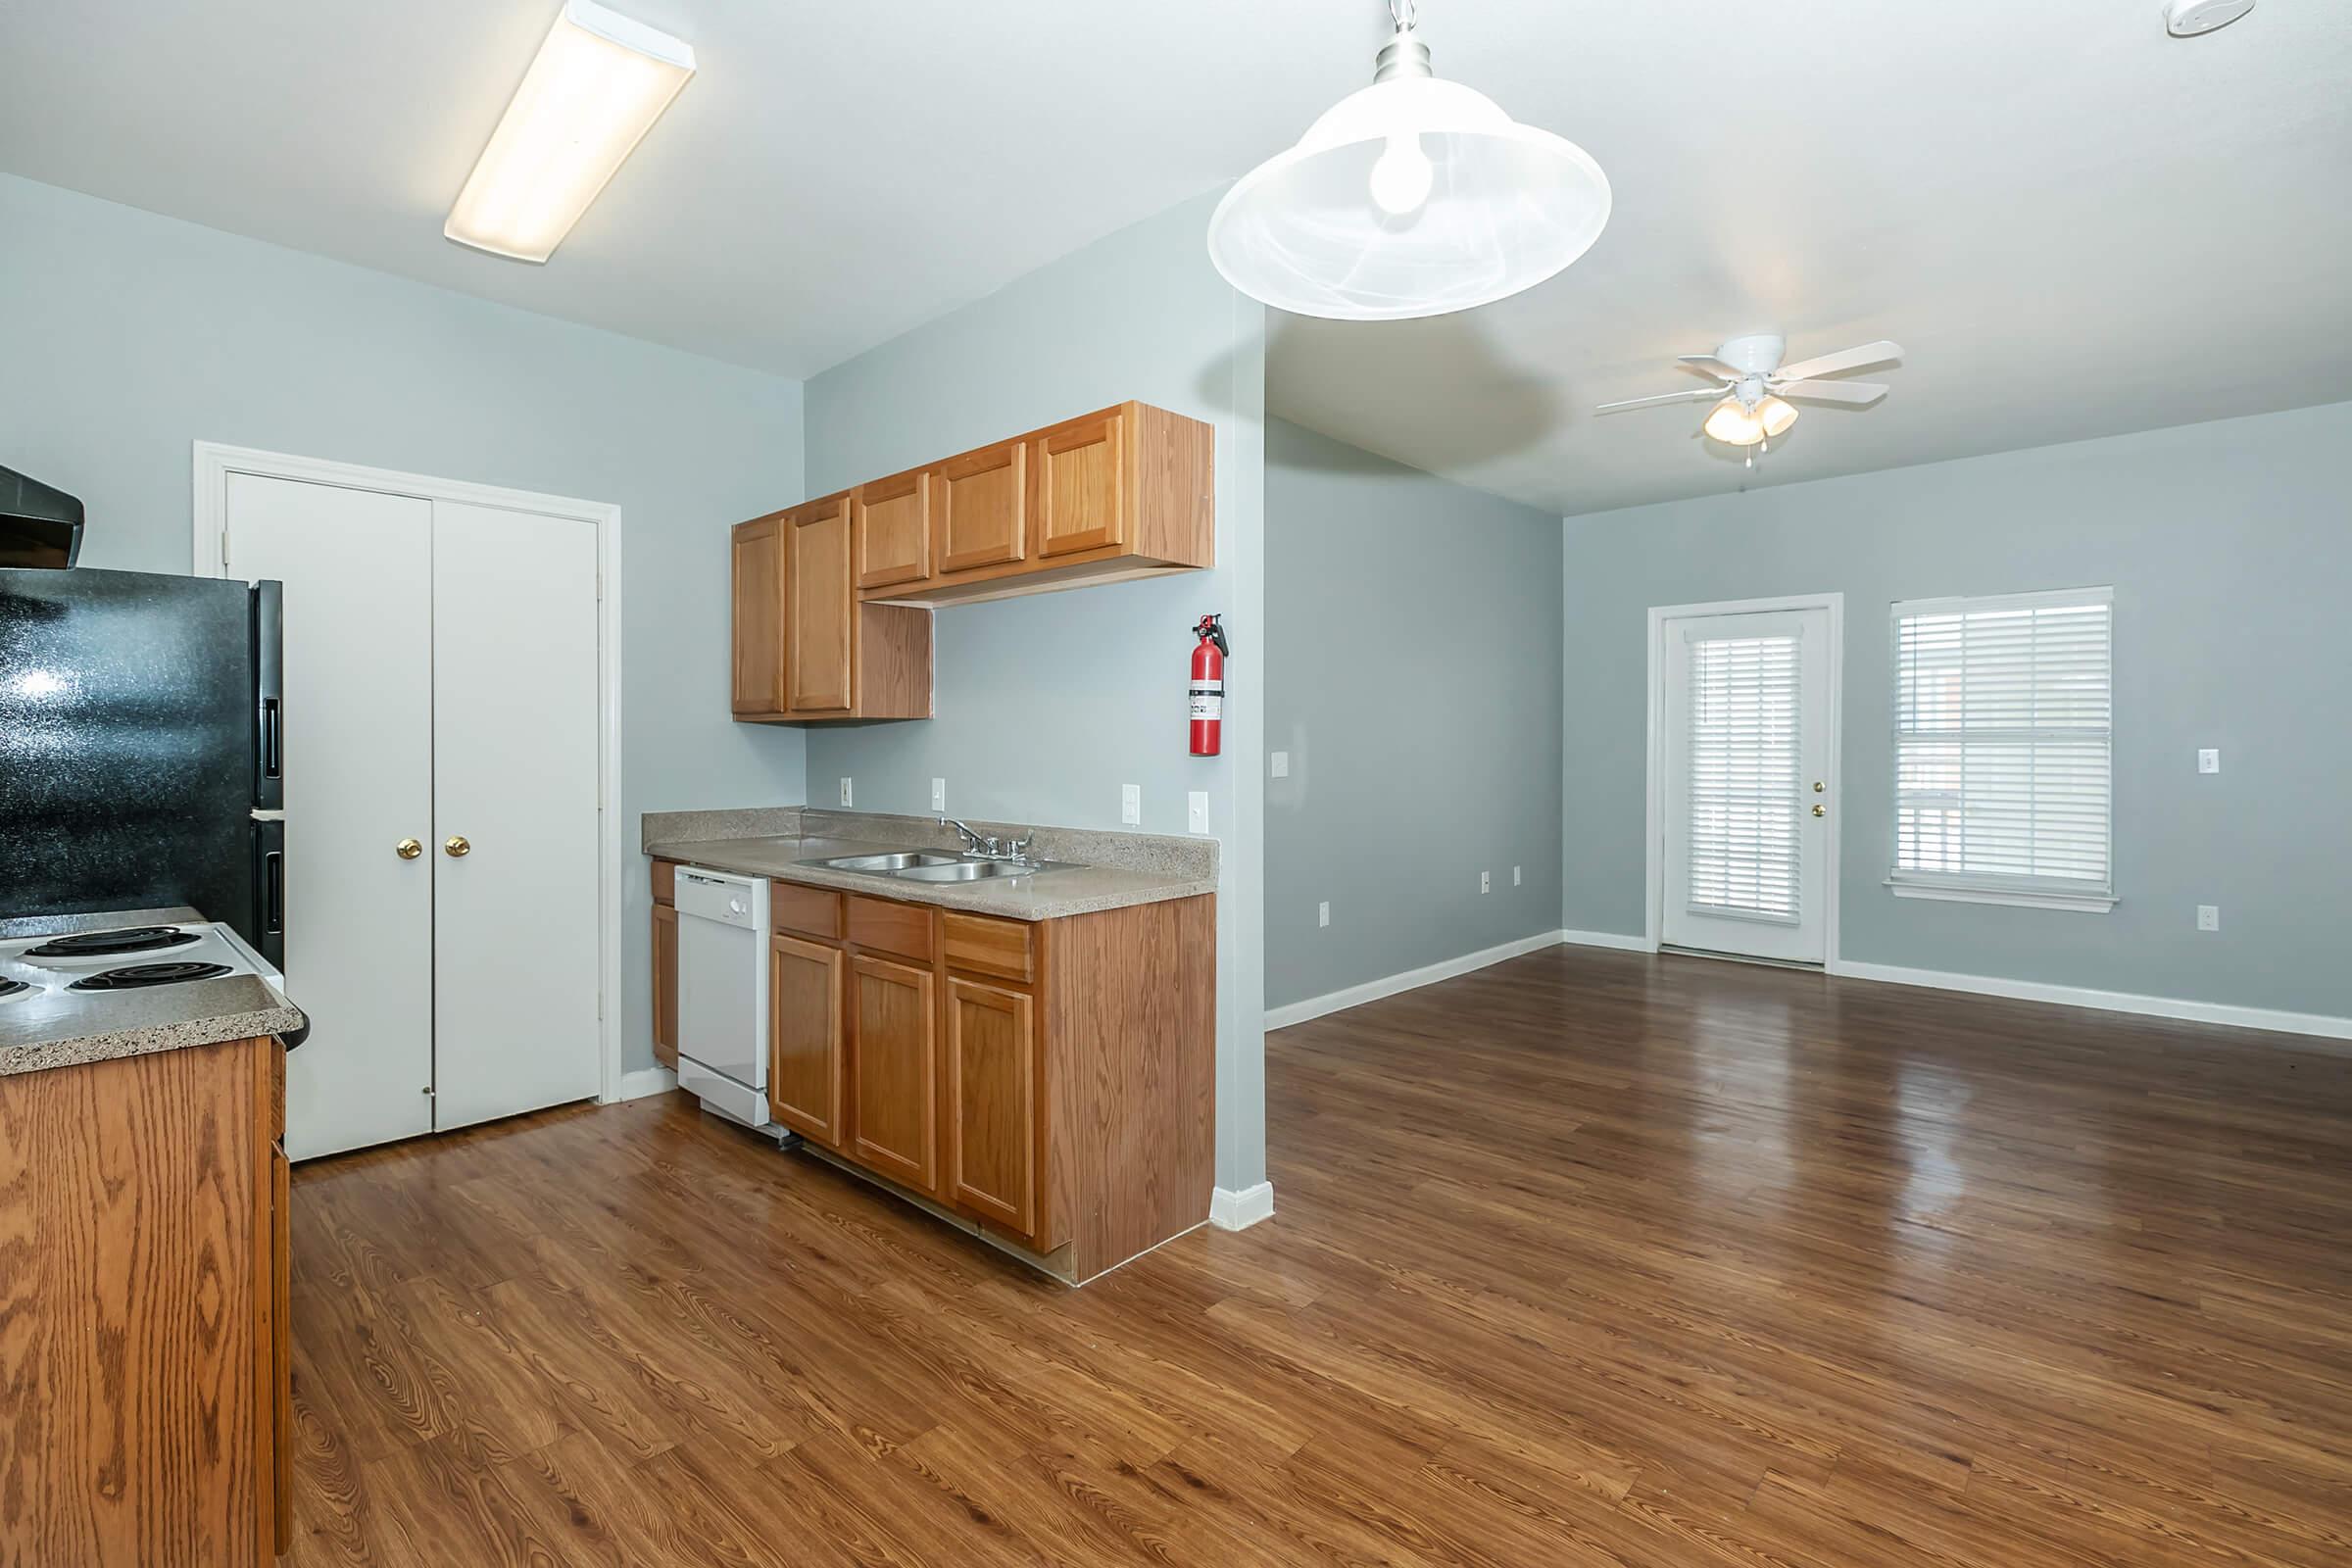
269	891
269	681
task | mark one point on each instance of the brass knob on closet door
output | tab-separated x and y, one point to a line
1821	810
407	848
455	845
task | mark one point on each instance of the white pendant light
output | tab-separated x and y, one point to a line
1736	425
1412	197
598	85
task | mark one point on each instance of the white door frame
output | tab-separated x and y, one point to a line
212	549
1653	830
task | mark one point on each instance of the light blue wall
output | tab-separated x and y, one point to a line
1413	676
128	336
2229	549
1047	705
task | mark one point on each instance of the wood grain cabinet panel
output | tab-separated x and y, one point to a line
757	589
892	530
817	608
806	1055
982	507
895	1050
1081	475
809	911
666	984
992	1072
887	925
980	944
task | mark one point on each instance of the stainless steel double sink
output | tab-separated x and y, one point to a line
928	866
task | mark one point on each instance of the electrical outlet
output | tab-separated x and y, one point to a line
1323	912
1514	876
2209	760
1196	809
939	797
845	794
1484	882
2209	917
1278	764
1131	804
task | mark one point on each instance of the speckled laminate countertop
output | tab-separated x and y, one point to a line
1105	870
46	1031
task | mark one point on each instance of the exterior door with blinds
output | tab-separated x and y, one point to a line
1746	792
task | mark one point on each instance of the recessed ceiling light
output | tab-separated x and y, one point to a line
597	86
2188	19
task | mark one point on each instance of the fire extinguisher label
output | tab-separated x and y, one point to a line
1208	700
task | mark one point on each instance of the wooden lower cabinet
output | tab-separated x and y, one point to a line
895	1057
666	984
807	1053
993	1124
145	1412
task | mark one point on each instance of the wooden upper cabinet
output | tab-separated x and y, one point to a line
1081	481
757	564
982	507
991	1104
895	1117
890	527
806	1053
817	654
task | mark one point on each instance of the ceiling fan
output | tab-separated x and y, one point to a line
1751	385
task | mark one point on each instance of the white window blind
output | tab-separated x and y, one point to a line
2002	735
1743	767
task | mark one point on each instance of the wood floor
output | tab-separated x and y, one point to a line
1590	1258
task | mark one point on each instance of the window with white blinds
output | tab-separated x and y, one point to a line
1743	767
2003	716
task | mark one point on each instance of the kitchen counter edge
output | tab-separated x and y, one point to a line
1048	895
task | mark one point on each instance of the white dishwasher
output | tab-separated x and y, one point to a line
722	993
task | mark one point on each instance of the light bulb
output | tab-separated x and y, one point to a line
1402	175
1735	425
1776	415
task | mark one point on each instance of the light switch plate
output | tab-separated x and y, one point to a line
1196	809
845	794
1278	764
2209	917
939	796
1131	804
1323	912
1485	882
1514	876
2209	760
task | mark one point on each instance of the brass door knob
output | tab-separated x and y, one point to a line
407	848
1821	810
455	845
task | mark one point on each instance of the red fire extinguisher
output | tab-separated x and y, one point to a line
1208	686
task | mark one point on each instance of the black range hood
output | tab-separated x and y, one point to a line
39	527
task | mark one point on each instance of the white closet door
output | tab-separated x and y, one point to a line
514	777
358	570
1747	746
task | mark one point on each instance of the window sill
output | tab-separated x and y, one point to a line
2021	898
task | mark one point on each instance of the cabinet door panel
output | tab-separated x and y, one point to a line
758	610
896	1069
1080	479
666	985
893	530
991	1096
817	631
804	1042
983	507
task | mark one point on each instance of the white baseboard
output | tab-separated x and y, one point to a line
1288	1013
646	1081
2318	1025
1229	1210
1606	939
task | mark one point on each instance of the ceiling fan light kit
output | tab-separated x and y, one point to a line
1752	386
1412	197
2191	18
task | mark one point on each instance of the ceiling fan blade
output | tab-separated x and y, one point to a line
1832	391
1709	364
1710	393
1854	359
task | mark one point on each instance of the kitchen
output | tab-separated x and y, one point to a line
742	836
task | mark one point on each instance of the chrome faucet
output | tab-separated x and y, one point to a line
988	847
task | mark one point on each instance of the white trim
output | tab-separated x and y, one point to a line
2022	898
1288	1013
1229	1210
643	1082
1653	826
211	552
1606	939
2215	1012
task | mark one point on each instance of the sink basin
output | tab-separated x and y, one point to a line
964	871
886	864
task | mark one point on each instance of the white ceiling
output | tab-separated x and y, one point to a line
2075	224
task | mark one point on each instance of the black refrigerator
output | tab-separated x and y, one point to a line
140	748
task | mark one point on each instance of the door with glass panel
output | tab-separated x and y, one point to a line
1746	794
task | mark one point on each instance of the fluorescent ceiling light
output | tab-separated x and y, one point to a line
597	86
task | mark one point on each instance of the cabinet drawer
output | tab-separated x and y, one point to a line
810	912
1001	948
886	927
665	882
